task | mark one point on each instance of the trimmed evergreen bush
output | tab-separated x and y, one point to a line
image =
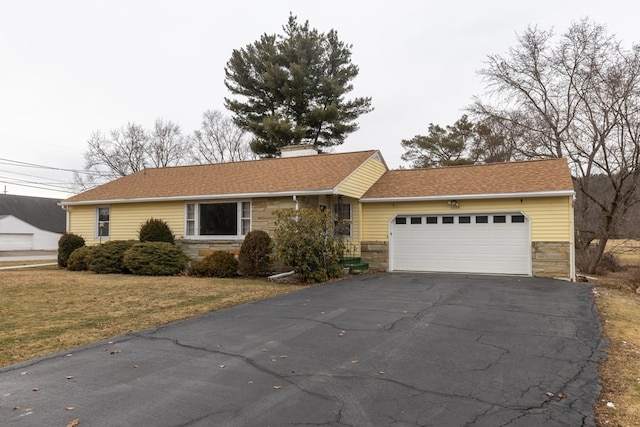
155	259
108	257
68	243
255	254
156	230
79	259
218	264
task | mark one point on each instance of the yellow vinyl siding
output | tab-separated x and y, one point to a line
82	221
551	217
356	184
125	219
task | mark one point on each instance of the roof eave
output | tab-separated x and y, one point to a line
558	193
202	197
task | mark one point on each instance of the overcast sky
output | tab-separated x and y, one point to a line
69	68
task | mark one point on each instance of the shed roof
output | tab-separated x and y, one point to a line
294	175
537	176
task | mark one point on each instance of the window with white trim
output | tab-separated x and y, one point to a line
103	221
344	213
217	219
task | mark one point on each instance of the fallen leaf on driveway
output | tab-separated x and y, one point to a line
15	408
70	377
354	361
35	389
277	387
6	395
74	423
562	395
550	394
69	408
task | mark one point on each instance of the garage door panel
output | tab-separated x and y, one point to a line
16	242
467	246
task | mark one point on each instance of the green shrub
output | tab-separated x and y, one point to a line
155	259
306	240
255	254
68	243
218	264
79	259
108	257
156	230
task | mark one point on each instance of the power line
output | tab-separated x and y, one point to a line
18	163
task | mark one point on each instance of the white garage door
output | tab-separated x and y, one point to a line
16	242
470	243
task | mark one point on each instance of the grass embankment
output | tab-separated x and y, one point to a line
46	309
619	306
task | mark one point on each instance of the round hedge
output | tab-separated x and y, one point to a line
79	259
108	258
68	243
218	264
155	259
155	230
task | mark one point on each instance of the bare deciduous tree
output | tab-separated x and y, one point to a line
130	149
219	140
577	98
166	145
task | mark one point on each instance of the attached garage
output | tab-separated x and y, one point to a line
501	218
492	243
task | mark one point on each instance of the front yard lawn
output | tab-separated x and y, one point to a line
45	310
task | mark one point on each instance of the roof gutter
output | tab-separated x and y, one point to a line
202	197
470	196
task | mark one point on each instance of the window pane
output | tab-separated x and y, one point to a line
401	220
191	208
432	220
482	219
416	220
499	219
103	222
464	220
103	214
343	211
219	219
517	218
447	220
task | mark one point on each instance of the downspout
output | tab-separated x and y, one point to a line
295	200
66	222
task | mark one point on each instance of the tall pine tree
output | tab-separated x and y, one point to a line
291	89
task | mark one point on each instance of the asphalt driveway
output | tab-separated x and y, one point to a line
375	350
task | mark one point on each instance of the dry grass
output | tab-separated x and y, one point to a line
46	309
619	308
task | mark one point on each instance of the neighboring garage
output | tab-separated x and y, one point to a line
16	242
501	218
470	243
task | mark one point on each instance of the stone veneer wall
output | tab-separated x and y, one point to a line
197	249
551	259
376	254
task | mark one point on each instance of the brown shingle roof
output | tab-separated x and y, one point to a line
322	172
536	176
